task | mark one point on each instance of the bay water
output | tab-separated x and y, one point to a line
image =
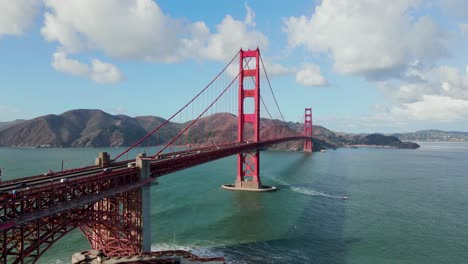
402	206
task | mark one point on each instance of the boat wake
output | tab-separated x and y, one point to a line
309	191
312	192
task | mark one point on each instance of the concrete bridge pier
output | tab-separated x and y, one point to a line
103	160
144	165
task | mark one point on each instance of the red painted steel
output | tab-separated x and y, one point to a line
107	205
308	144
248	163
37	217
116	227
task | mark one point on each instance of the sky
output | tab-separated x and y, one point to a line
362	65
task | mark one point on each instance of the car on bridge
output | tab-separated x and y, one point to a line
21	185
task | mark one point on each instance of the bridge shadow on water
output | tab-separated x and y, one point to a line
306	227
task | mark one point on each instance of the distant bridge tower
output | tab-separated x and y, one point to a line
308	145
248	163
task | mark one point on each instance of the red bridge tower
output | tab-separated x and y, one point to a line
248	163
308	145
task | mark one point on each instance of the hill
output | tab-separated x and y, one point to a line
5	125
434	136
95	128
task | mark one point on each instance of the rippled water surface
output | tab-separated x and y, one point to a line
402	206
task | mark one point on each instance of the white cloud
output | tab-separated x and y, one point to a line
99	71
406	92
367	37
310	75
139	30
432	111
231	35
122	29
17	16
453	83
62	63
420	81
276	69
105	72
249	17
432	107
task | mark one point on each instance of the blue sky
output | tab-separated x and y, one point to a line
363	65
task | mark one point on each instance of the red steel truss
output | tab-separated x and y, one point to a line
115	224
248	163
35	219
106	206
308	145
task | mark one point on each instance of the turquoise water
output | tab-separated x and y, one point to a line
403	206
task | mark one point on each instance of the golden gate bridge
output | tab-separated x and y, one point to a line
110	201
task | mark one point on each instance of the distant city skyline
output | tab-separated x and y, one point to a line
363	66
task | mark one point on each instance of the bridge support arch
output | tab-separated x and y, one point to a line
308	144
248	163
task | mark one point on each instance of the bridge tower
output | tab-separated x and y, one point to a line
248	163
308	144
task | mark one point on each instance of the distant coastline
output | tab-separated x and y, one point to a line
96	128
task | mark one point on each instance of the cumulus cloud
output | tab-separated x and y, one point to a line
139	30
122	29
420	81
99	71
17	16
310	75
431	111
102	72
276	69
454	83
231	35
433	107
372	38
62	63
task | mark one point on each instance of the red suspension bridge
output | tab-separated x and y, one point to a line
110	201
